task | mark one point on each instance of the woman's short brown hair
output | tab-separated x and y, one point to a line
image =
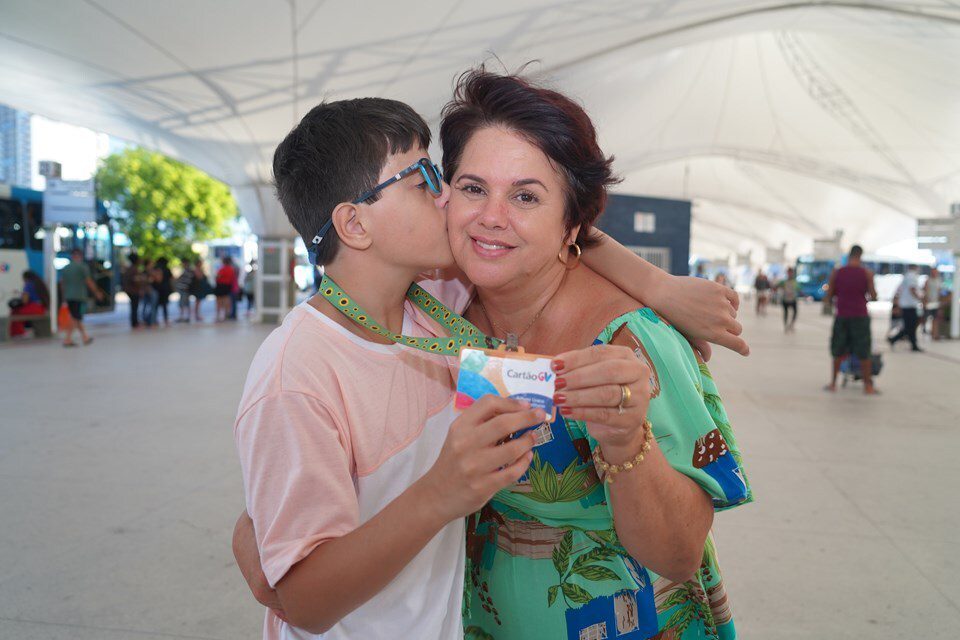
549	120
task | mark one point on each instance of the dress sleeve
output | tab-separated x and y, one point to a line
689	421
297	478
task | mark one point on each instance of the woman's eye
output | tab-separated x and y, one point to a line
527	198
472	189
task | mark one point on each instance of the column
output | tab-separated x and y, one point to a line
275	289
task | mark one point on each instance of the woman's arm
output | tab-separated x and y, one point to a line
662	517
703	311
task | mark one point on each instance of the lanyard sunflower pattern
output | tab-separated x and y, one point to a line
462	332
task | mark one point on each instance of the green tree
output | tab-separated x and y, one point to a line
163	205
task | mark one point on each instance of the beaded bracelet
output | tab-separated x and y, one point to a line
609	470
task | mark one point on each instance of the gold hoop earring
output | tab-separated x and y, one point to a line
576	258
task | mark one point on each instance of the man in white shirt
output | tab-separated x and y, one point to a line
910	298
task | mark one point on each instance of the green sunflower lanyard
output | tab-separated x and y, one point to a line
462	332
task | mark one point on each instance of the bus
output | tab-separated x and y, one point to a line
813	275
21	246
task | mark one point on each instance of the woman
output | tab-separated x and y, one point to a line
199	288
560	547
226	284
563	554
762	287
184	288
931	302
134	283
164	286
34	300
151	295
788	299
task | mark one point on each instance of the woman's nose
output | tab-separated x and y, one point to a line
493	215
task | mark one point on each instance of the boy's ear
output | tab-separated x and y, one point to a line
348	221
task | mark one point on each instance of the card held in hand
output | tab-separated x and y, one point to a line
508	374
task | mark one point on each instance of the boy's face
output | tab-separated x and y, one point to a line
410	223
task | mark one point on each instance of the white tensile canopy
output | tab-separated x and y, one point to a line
782	121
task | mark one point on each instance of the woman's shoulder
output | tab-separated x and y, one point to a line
643	321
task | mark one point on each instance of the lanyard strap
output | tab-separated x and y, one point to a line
462	332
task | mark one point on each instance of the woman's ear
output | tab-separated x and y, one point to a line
571	236
348	221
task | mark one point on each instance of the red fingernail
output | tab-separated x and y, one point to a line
559	398
560	383
557	365
565	411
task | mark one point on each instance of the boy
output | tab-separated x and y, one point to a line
337	425
359	530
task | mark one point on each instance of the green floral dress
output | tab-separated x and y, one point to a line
544	560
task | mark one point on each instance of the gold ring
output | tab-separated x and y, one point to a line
625	395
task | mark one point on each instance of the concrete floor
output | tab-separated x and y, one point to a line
119	487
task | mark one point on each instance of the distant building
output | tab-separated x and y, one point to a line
15	147
656	229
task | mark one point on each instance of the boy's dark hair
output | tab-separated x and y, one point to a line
335	154
549	120
856	251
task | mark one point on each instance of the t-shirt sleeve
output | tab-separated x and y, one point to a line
689	421
449	286
297	476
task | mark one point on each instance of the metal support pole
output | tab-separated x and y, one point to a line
50	240
955	298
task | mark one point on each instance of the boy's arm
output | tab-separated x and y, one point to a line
321	564
703	311
343	573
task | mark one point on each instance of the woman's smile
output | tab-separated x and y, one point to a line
490	248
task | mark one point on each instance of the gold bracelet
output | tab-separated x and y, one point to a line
609	470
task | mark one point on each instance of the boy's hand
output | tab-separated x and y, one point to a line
477	460
702	310
247	555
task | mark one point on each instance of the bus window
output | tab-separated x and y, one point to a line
34	225
11	225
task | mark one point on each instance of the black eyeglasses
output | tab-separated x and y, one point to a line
432	176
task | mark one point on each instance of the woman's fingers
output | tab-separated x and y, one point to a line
571	360
607	395
605	416
617	371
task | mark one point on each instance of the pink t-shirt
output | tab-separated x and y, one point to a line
331	428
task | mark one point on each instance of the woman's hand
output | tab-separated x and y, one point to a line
702	310
589	388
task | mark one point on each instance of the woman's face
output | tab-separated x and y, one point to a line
505	216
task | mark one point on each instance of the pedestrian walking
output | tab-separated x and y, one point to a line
77	284
910	299
852	286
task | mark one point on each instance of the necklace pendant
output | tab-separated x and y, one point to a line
513	342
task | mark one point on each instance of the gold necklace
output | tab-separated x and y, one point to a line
511	339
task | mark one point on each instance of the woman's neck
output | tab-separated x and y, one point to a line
517	308
567	321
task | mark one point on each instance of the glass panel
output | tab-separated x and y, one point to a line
34	224
11	225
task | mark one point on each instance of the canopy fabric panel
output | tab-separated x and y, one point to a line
782	121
